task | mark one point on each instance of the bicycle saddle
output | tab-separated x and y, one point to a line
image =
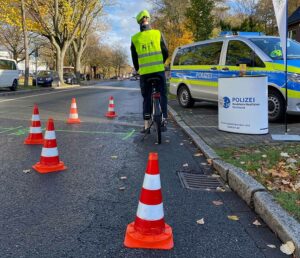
154	80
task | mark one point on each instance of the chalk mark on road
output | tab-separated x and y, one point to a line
20	130
129	135
9	129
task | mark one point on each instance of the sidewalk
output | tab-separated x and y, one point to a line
203	119
201	124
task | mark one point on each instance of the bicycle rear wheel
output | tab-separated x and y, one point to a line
157	120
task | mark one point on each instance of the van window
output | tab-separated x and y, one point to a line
238	50
183	56
205	54
7	65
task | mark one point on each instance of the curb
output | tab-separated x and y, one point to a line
252	192
20	92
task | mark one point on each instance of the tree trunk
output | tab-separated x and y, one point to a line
25	43
60	65
78	56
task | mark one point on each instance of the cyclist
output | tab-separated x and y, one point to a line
149	53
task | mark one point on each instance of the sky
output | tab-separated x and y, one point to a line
122	23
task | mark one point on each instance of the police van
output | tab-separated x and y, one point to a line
9	73
195	69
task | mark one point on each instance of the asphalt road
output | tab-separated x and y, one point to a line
82	212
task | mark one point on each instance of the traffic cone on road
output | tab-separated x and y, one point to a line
73	117
49	161
111	108
35	131
149	229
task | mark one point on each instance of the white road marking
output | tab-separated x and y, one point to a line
86	87
26	97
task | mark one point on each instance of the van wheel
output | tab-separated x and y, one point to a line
184	97
276	106
14	86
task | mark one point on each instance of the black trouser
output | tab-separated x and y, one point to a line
146	91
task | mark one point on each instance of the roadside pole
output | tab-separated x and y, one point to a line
36	66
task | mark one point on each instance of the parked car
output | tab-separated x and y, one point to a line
47	78
195	69
70	78
9	74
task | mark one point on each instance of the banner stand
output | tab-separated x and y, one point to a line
281	13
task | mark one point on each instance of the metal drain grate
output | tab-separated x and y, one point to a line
200	182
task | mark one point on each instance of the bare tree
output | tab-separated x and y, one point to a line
80	41
119	59
26	45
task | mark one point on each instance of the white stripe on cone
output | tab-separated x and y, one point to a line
110	109
111	102
35	130
49	152
73	116
73	105
50	135
150	212
151	182
35	118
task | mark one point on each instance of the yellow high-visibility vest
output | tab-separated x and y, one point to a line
147	45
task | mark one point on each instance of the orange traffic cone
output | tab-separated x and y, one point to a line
73	117
111	109
49	161
35	131
149	229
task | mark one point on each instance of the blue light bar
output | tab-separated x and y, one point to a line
250	34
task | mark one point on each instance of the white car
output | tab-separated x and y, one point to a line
9	74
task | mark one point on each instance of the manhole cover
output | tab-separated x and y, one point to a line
201	182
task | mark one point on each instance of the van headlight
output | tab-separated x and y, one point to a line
294	77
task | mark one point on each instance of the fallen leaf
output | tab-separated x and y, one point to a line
287	248
242	162
285	182
256	223
291	161
209	161
220	189
198	154
114	157
269	188
272	246
264	156
200	221
215	176
284	155
185	165
217	203
123	177
233	217
26	171
122	188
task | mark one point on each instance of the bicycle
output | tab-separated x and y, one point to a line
156	115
